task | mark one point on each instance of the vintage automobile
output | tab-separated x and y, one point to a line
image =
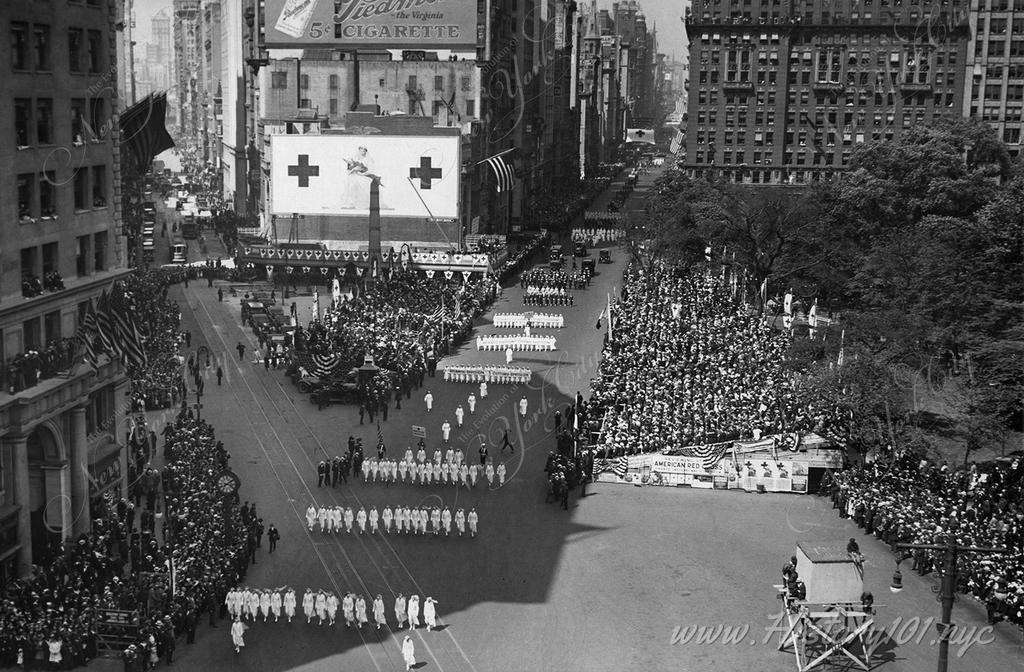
605	257
335	392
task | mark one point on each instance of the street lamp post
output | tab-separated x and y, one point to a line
947	589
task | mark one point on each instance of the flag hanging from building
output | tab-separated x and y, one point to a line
87	333
143	134
504	171
127	337
677	143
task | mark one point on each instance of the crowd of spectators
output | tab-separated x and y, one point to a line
51	616
914	501
688	364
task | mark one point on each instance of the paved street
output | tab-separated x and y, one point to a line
600	587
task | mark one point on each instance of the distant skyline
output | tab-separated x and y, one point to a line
665	13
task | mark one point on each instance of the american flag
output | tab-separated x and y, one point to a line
324	365
621	467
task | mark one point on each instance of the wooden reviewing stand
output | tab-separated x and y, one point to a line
834	580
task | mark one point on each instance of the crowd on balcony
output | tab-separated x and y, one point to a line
28	368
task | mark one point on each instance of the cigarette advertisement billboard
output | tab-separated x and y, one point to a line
370	24
331	175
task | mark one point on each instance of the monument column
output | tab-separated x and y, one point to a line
79	458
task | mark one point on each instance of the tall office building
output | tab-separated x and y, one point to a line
60	221
782	93
994	86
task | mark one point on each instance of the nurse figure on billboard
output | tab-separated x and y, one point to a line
361	170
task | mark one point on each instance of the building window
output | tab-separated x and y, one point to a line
95	51
380	83
44	121
305	104
41	46
75	39
28	262
51	262
1011	136
412	83
99	186
51	324
19	45
100	251
470	108
304	82
31	334
22	121
437	108
26	198
465	83
48	194
81	254
438	83
81	189
332	82
334	106
77	122
98	119
279	80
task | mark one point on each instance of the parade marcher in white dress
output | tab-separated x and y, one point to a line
348	605
322	517
307	605
336	515
414	611
508	355
348	519
321	606
446	430
501	474
522	407
289	604
489	473
361	611
238	634
332	607
483	390
361	519
265	604
446	522
430	613
472	402
408	652
460	521
388	517
374	520
474	470
311	517
400	612
435	520
275	605
459	414
473	519
378	612
428	398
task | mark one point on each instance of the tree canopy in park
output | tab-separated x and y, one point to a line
920	246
